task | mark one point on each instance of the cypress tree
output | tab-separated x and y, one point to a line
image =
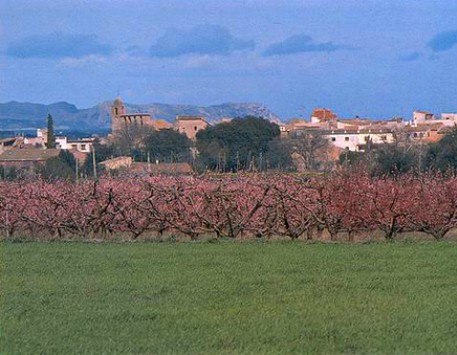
50	135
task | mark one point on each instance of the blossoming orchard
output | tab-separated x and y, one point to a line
335	207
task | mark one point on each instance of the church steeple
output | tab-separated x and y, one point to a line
117	110
118	107
121	120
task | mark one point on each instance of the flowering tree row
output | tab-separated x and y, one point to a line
235	207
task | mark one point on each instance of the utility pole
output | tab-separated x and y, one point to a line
77	170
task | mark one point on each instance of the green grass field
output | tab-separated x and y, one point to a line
229	298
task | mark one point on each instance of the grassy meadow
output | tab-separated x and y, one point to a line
228	298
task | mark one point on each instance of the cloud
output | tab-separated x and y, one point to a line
202	39
58	45
83	61
443	41
411	57
199	61
134	51
300	44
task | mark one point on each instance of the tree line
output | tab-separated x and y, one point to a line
255	144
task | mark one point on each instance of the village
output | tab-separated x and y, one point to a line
342	135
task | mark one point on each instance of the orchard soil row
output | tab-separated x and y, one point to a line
335	207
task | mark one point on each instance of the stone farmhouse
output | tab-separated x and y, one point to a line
190	125
26	158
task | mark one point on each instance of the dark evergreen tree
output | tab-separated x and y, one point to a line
51	139
56	168
354	160
61	167
442	155
68	158
393	159
240	144
167	145
12	173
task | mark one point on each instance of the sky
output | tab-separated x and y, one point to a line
371	58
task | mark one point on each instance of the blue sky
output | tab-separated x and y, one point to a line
375	58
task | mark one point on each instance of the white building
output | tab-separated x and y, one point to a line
357	140
448	119
83	145
423	117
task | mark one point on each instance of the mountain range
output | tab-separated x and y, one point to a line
23	115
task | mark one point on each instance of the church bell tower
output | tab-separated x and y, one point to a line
117	110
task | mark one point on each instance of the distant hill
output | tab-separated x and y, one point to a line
23	115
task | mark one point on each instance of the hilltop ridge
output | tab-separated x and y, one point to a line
22	115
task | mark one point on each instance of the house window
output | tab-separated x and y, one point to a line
74	146
83	147
383	138
346	139
195	128
333	139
